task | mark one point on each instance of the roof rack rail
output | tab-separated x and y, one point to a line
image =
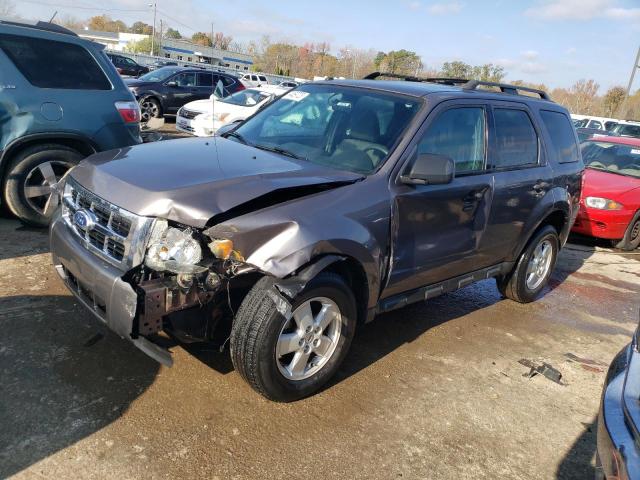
411	78
40	25
505	88
466	84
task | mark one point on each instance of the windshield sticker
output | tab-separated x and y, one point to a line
296	95
635	151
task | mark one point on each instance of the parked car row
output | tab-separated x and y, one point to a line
203	118
611	126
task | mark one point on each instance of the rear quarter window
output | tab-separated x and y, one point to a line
516	139
563	139
52	64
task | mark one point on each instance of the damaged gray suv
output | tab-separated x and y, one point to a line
338	201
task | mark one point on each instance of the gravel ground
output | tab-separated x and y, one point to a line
431	391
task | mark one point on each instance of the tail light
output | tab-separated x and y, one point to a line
120	71
129	111
240	87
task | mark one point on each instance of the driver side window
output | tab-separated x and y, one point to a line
458	133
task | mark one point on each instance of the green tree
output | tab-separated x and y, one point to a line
141	28
171	33
457	69
613	99
201	38
403	62
143	46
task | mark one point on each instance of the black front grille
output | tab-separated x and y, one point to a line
188	114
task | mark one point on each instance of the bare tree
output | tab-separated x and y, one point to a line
7	8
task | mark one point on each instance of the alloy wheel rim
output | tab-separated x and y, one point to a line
40	186
309	339
539	265
148	110
635	231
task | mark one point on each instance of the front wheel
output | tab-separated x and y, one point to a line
535	265
150	108
286	359
631	239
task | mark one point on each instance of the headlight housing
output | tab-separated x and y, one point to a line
602	203
173	249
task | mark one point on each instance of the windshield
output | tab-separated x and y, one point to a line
625	129
612	157
342	127
246	98
159	75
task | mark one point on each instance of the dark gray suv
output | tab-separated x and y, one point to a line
61	99
336	202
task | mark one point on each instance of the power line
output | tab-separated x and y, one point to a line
82	7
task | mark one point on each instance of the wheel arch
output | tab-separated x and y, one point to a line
557	216
81	143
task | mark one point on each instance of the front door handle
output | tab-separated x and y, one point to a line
471	199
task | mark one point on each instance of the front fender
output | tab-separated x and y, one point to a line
282	240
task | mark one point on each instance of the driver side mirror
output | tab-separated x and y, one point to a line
429	169
172	84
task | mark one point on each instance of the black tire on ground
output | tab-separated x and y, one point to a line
30	174
631	239
258	324
514	284
150	108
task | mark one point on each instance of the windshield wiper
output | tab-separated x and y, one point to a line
281	151
235	135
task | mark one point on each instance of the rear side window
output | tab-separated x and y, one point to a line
516	139
595	124
458	133
51	64
562	138
227	81
206	80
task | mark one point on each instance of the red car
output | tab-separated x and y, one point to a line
610	203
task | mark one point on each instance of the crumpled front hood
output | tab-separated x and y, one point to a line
191	180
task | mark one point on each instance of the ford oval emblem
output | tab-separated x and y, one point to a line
83	219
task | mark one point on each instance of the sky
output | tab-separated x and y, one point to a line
555	42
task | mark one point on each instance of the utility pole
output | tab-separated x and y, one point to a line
153	29
633	74
160	38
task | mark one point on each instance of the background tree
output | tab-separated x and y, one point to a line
141	28
201	38
402	62
613	99
69	21
171	33
143	46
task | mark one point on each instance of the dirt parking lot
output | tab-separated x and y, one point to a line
431	391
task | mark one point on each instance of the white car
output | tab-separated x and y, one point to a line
254	80
589	121
203	117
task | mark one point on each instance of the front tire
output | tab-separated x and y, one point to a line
631	239
289	359
29	187
150	108
535	265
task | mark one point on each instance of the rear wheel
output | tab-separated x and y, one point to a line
288	359
31	180
631	239
535	265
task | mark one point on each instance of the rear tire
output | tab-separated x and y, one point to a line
29	180
277	356
535	265
631	239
